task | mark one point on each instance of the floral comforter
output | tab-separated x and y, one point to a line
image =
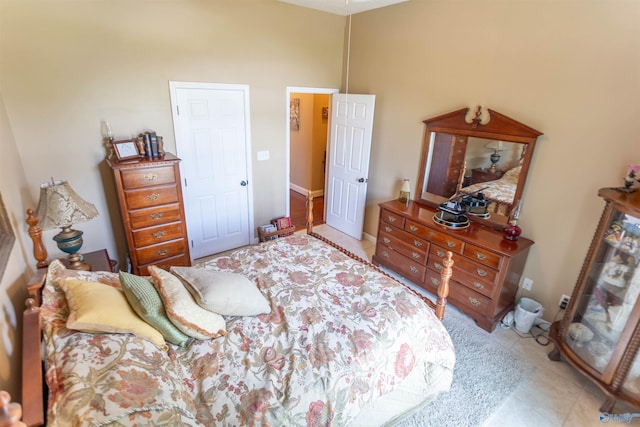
340	335
500	191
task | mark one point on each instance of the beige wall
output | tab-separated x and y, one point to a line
570	69
16	195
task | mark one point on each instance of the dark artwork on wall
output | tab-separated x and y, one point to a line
7	238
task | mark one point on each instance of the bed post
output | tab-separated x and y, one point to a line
443	288
309	213
35	232
10	413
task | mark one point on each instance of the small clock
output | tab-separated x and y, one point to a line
126	149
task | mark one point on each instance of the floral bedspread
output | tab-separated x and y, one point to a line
500	191
340	335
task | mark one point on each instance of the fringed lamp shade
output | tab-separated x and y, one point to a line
60	206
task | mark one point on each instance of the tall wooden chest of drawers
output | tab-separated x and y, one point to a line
446	164
150	197
486	269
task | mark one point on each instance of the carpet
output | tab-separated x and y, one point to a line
485	374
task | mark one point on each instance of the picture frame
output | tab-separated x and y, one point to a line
294	113
126	149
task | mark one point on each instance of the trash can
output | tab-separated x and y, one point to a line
527	311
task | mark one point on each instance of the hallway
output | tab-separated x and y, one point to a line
298	210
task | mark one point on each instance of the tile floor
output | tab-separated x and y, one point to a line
554	394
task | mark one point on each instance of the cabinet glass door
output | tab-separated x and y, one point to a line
611	290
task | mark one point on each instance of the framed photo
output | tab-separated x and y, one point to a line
126	149
294	113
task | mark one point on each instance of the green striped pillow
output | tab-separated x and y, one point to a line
146	301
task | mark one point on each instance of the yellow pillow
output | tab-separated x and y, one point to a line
98	308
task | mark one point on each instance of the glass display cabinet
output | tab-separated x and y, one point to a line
599	333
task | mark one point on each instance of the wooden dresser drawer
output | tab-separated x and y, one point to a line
441	239
410	269
155	216
482	255
469	298
391	218
418	254
158	234
136	178
147	197
151	254
180	260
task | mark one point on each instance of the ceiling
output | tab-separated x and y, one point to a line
343	7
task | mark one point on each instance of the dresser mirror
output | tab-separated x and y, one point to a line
466	152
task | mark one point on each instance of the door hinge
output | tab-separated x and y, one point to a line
192	244
185	182
177	109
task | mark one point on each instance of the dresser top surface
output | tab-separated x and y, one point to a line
475	233
167	159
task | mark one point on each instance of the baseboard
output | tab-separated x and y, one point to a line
304	191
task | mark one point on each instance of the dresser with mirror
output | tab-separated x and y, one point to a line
463	152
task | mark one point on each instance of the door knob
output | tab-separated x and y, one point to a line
362	180
243	183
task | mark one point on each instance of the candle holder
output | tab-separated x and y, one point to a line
512	231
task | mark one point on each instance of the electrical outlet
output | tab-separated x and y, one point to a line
564	301
527	283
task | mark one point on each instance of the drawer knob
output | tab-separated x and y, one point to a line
451	244
153	197
162	252
481	256
431	234
391	218
150	177
413	269
159	234
474	301
415	255
386	239
156	215
385	254
478	285
387	229
435	281
440	254
417	243
413	228
437	266
481	272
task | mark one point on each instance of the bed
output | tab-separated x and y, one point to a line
500	191
340	343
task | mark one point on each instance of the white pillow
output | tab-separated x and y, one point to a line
183	311
223	292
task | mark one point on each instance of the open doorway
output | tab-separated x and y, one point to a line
307	132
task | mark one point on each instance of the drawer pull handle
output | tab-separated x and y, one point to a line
451	244
413	269
431	234
413	228
481	272
150	177
480	256
474	301
385	254
388	229
386	239
162	252
438	266
435	281
391	218
478	285
415	255
440	254
156	215
417	243
153	197
159	234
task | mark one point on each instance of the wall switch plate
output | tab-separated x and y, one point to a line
263	155
527	283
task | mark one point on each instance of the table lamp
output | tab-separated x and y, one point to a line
60	206
497	147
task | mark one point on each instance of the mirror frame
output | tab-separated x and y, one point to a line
497	127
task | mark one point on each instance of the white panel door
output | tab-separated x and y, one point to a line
349	151
212	139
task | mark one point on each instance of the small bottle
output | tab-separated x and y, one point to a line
512	231
405	191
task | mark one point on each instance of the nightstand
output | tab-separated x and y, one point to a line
483	175
98	260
